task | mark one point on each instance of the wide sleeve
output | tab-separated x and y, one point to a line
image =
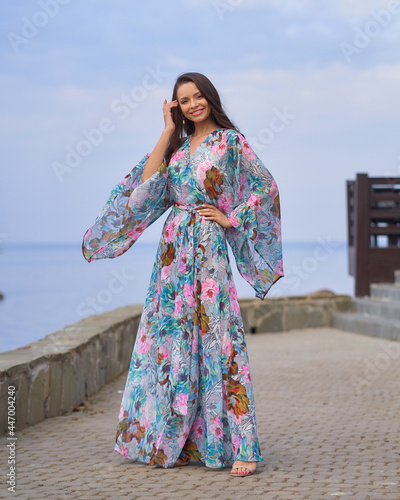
255	237
131	207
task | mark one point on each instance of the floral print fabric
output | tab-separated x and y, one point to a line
189	391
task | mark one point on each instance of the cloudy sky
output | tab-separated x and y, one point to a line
313	84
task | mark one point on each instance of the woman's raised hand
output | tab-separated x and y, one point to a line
157	156
168	118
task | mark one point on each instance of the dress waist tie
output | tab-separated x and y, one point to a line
189	208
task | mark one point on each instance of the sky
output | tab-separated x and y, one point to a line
312	84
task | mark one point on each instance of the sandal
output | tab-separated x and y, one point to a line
184	461
247	472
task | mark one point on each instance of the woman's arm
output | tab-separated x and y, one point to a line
157	155
211	212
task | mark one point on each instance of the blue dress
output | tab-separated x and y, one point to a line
189	391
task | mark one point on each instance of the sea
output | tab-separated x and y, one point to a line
46	287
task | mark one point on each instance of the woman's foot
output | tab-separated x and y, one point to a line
182	461
241	469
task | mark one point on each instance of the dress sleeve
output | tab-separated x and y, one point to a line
131	207
255	237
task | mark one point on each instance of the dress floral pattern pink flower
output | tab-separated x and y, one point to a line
189	391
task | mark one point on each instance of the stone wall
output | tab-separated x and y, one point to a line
293	313
59	372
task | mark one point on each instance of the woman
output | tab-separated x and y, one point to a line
189	394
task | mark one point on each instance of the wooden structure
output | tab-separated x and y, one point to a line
373	211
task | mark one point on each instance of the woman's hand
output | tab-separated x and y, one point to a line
157	156
211	212
168	118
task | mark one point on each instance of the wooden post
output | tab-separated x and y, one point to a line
350	226
362	235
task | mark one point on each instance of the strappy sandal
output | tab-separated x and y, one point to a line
185	461
248	471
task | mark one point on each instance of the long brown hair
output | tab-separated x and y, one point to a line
211	95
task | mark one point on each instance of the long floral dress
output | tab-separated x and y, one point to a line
189	390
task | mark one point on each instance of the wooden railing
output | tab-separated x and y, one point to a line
373	211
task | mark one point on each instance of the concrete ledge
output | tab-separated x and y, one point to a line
293	313
59	372
375	326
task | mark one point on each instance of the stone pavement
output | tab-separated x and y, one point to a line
328	412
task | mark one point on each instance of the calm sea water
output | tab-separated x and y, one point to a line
47	287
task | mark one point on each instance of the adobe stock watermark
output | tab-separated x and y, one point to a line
298	273
12	439
116	285
374	368
278	123
373	28
48	9
94	137
222	7
294	276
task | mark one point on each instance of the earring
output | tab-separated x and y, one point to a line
183	121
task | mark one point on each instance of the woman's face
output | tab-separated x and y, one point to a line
193	105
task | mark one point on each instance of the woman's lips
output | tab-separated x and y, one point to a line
197	112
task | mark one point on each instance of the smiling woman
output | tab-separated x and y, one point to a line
189	394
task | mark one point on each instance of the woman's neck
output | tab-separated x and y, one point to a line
202	129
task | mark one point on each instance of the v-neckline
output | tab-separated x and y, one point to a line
205	140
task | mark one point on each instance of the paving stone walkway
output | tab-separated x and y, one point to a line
328	412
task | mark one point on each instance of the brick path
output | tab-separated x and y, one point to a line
328	412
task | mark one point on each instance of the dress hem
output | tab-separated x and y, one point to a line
228	463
